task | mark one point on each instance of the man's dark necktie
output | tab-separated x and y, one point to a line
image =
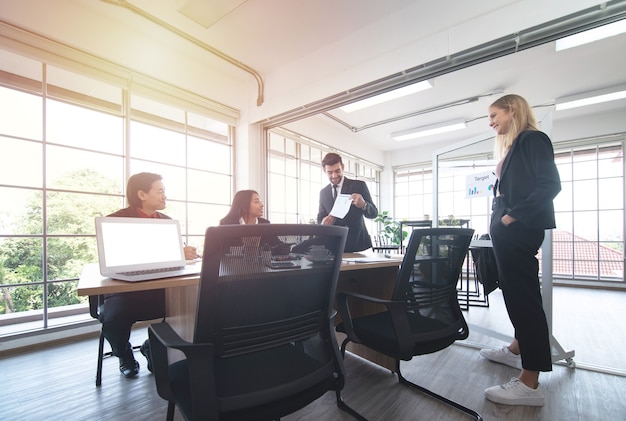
334	191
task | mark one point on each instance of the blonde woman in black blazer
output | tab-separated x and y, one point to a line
528	181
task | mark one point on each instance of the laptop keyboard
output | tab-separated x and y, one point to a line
146	271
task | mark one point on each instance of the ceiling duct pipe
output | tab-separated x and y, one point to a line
234	62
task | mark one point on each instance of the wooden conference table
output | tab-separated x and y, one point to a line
371	274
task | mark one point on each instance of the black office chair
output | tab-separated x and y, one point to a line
263	345
423	315
419	224
95	301
382	244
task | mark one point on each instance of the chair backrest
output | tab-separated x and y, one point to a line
413	225
428	277
246	305
381	240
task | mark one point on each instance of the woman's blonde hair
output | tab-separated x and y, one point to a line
522	118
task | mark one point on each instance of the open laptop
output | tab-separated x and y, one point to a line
140	249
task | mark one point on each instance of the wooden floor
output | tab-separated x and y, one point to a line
57	382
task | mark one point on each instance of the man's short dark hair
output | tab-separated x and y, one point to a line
331	158
140	181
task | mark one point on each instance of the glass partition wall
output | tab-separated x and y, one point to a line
451	169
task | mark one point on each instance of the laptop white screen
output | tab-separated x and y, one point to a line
137	243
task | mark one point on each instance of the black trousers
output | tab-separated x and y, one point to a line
119	312
515	247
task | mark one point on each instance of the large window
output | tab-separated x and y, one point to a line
588	243
413	192
69	142
589	239
295	177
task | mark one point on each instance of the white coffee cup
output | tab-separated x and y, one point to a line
319	252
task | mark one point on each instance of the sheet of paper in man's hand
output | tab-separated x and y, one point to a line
341	206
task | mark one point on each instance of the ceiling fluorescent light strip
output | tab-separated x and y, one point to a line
387	96
434	129
591	35
590	99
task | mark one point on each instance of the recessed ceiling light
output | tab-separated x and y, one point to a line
434	129
590	98
387	96
591	35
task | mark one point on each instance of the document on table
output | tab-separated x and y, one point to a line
373	259
342	205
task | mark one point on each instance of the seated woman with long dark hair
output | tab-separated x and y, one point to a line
247	208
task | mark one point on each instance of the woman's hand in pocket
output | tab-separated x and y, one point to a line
507	220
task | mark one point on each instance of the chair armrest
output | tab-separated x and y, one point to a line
395	308
199	359
344	296
167	337
161	336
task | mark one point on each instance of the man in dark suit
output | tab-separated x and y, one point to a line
362	205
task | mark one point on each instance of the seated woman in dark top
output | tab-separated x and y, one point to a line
247	208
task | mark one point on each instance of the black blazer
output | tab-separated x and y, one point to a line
358	237
529	180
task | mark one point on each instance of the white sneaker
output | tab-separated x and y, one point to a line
503	356
515	393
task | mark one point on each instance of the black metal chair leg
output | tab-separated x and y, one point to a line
344	407
170	411
100	356
340	402
343	347
432	394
